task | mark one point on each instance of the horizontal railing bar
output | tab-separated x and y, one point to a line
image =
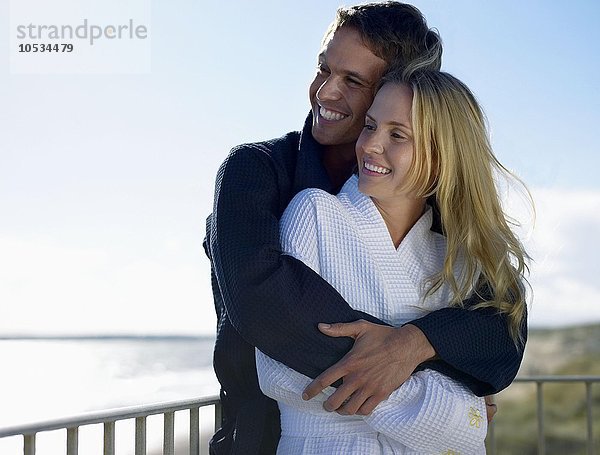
132	412
91	418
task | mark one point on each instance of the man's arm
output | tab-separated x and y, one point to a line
274	301
476	342
472	346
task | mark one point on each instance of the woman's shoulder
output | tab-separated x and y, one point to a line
314	199
310	211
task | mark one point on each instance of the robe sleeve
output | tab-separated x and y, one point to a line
434	414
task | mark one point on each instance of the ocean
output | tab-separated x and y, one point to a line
48	378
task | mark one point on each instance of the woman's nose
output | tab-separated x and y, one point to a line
373	145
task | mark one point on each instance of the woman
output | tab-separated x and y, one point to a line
424	136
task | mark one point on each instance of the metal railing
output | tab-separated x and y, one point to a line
109	417
139	413
539	382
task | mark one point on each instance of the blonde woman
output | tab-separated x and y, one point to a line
424	137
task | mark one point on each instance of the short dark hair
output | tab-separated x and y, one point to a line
395	32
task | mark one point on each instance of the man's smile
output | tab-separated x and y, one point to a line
331	115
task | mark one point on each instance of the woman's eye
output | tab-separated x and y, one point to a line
369	127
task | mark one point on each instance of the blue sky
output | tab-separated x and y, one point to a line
106	179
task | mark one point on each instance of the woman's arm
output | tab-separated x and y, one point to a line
434	414
429	413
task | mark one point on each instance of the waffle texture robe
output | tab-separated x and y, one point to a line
345	240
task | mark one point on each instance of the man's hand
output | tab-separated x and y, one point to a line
381	359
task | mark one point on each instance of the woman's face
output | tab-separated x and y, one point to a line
384	149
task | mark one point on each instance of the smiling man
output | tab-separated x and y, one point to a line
347	76
274	302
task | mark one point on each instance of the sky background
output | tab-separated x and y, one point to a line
106	179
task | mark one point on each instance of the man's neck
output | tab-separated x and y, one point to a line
339	162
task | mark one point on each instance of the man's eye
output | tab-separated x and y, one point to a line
322	69
353	81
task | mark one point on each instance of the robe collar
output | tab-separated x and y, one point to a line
370	215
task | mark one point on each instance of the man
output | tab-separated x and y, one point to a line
273	302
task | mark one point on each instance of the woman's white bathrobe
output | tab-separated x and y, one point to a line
345	240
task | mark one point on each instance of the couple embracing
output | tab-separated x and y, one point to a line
368	287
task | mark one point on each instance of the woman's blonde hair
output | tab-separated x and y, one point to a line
454	162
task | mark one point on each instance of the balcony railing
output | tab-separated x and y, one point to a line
168	410
539	382
109	417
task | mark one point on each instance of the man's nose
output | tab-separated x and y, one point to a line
329	90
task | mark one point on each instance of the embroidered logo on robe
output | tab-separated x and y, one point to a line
451	452
475	417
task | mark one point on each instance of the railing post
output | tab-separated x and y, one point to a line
140	436
109	438
29	444
491	437
540	414
108	419
590	431
169	434
195	431
218	415
73	441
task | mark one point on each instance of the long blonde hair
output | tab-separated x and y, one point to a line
453	160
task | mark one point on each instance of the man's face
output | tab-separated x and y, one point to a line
343	88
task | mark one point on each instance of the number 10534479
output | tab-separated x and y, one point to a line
28	47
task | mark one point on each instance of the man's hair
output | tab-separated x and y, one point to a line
395	32
453	160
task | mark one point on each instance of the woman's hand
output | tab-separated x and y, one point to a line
380	361
491	408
